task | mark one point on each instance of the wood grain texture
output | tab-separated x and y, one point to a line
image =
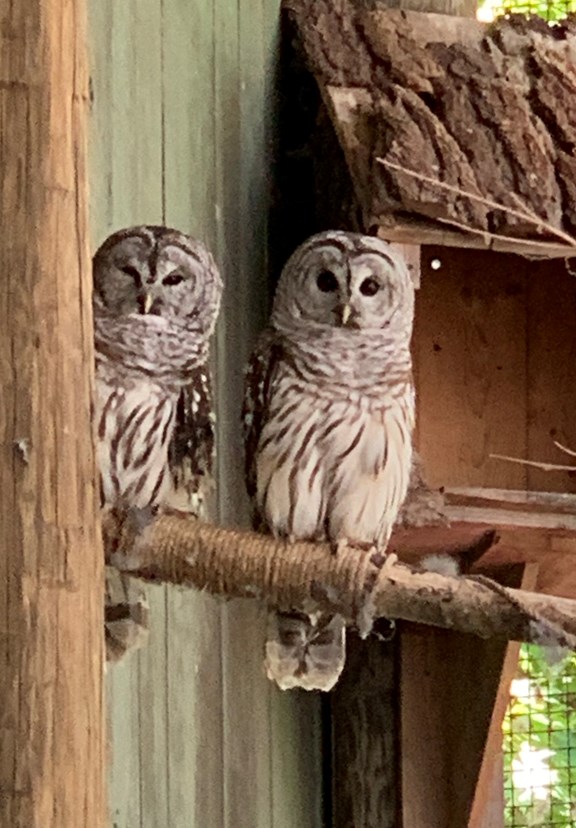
195	756
51	565
493	349
450	684
363	705
454	101
240	226
126	186
551	354
470	352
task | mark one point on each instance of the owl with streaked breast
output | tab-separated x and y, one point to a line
328	418
156	300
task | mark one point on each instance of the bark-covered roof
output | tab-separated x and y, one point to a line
488	110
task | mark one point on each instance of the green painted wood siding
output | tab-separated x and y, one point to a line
181	134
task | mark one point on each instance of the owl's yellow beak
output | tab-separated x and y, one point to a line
345	312
147	304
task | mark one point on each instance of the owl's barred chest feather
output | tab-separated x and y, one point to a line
134	422
333	462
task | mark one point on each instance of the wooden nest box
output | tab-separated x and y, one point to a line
456	140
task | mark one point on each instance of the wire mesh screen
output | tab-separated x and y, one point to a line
550	10
539	743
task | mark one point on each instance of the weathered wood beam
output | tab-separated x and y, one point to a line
51	568
508	507
357	584
406	230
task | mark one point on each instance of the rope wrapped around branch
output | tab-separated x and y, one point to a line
360	585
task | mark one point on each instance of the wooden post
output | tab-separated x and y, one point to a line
51	584
365	756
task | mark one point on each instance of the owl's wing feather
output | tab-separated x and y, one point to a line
191	452
301	651
260	373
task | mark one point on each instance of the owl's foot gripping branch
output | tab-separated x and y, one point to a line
361	586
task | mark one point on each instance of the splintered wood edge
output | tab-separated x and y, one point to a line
501	507
413	231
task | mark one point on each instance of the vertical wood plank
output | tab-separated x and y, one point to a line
296	731
134	112
136	158
446	704
470	357
246	690
551	358
152	725
241	207
126	187
363	703
194	670
487	809
122	681
188	116
100	23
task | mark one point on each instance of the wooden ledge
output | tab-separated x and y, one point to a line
492	528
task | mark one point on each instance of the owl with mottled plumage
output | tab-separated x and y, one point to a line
156	299
328	418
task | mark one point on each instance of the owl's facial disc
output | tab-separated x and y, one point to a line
155	280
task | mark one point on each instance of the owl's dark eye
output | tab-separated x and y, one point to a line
326	281
132	272
173	279
369	287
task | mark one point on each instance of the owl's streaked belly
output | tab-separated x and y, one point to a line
134	427
334	471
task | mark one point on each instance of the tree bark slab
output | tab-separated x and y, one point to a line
488	111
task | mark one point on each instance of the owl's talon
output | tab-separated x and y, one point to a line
140	517
339	546
345	543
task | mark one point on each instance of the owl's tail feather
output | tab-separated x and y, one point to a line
126	615
306	651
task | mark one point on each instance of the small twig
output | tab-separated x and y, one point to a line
535	464
523	214
565	449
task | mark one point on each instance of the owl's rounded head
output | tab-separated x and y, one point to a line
347	280
157	272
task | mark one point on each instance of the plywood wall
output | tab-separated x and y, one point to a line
181	134
494	351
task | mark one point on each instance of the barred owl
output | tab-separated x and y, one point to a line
156	299
328	418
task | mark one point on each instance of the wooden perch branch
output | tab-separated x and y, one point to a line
359	585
